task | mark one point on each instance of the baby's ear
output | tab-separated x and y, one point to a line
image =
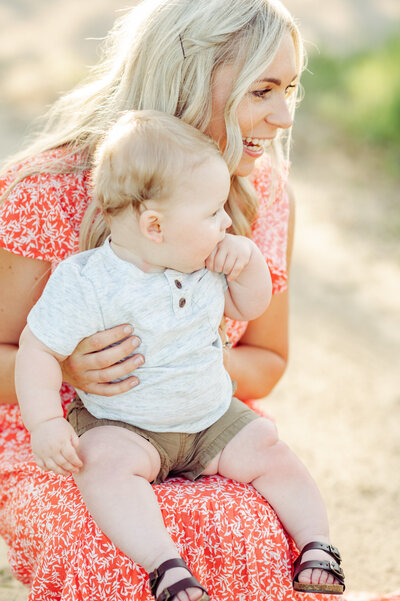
150	225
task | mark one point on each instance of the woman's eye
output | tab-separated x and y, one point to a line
290	89
261	93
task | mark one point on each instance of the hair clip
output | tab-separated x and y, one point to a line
182	47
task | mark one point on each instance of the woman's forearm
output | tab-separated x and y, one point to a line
8	353
255	370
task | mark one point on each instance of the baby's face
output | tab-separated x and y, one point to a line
195	220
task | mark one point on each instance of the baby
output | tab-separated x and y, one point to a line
171	270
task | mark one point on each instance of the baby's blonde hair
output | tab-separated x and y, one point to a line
142	158
163	55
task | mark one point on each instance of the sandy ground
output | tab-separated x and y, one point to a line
339	403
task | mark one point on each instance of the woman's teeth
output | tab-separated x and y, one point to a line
257	143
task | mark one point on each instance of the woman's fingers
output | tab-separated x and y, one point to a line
107	357
119	370
94	363
100	340
112	388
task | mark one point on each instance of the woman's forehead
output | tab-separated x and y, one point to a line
282	68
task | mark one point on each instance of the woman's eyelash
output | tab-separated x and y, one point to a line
265	91
261	93
290	88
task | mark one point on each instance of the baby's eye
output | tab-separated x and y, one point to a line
261	93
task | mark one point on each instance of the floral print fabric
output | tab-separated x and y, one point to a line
229	535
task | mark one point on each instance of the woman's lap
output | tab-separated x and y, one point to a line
230	537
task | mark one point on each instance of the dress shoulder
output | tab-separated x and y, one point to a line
41	215
270	228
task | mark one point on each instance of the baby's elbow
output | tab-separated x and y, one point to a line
259	303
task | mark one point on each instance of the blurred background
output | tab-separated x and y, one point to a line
338	405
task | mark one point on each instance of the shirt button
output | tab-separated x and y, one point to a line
178	284
182	302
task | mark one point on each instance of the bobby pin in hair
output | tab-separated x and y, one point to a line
182	47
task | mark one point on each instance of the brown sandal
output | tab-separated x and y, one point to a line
168	593
332	567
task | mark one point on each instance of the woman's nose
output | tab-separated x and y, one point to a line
280	115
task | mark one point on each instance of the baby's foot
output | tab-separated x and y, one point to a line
175	575
316	575
318	569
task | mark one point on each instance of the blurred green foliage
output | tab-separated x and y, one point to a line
361	94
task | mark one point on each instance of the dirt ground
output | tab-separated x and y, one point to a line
338	405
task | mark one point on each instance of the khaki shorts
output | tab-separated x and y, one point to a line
181	454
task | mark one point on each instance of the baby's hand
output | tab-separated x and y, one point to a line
230	256
54	443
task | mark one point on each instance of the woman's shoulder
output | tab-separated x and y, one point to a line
51	165
42	208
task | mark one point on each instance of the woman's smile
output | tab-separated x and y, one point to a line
255	146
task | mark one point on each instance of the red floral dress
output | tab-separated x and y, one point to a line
229	535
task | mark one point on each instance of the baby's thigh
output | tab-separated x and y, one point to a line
118	451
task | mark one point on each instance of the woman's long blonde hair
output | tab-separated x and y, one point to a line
162	55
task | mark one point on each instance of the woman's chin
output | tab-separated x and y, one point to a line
246	165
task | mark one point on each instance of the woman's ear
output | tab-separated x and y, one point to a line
150	225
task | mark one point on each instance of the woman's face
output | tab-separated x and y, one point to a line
262	111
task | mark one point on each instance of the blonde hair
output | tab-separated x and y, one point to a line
142	158
163	55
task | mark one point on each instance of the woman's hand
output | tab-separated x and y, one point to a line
94	364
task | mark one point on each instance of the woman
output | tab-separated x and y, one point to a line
230	68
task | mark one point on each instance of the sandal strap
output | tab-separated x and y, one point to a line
181	585
328	566
156	575
328	548
171	591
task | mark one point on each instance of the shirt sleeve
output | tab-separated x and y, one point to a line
67	311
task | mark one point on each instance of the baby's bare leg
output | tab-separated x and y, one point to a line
118	466
257	456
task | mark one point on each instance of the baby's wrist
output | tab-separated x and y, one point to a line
44	421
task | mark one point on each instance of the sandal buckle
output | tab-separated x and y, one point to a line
153	579
336	569
335	552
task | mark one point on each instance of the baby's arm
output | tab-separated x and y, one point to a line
38	380
249	281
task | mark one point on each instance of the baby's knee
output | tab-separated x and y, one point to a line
265	434
95	450
118	452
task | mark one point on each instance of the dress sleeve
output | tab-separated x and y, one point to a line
40	217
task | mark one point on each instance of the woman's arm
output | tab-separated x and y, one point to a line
258	362
21	283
